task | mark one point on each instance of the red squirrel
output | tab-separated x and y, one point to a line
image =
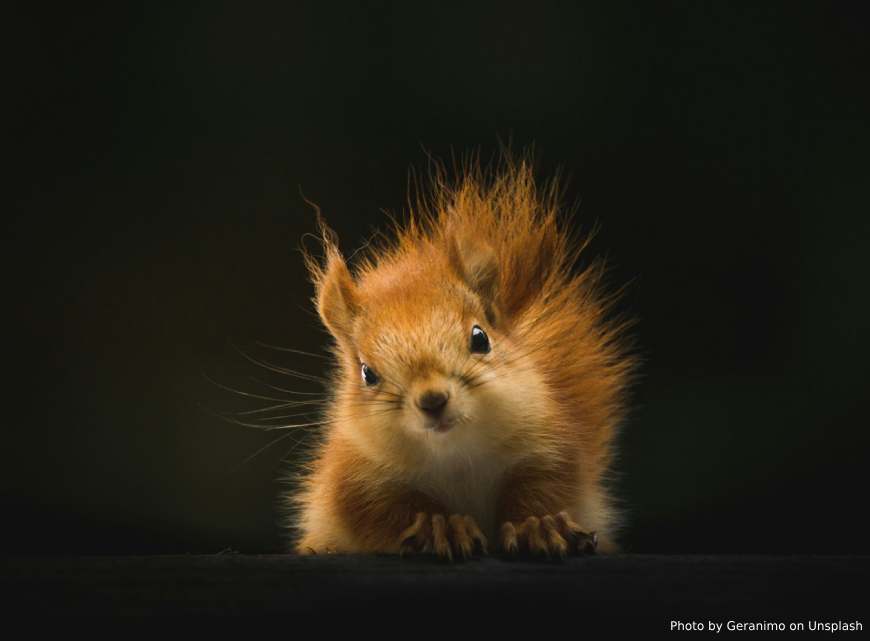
480	382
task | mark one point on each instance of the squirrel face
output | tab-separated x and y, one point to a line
427	368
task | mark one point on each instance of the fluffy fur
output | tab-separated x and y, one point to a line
521	455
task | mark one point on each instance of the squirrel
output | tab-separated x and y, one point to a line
480	381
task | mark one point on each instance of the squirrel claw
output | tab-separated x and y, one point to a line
457	537
508	538
547	537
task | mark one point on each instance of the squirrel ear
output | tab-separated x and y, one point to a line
477	264
335	290
337	298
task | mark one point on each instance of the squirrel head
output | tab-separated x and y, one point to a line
427	362
469	331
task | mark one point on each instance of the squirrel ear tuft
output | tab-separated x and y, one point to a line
337	298
335	290
476	263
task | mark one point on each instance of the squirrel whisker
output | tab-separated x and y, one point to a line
292	350
279	369
286	391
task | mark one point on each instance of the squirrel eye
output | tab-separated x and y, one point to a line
479	341
369	376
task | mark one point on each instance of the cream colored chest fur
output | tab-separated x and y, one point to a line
466	483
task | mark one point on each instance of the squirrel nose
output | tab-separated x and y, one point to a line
432	402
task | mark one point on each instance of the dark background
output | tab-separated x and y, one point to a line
159	155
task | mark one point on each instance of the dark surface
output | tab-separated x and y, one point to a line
620	590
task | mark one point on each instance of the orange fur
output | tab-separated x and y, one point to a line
530	425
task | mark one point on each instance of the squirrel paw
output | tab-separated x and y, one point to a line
457	536
548	536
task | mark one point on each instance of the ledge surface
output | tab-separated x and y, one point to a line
623	587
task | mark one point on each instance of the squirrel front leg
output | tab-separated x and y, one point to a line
367	513
534	517
390	517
